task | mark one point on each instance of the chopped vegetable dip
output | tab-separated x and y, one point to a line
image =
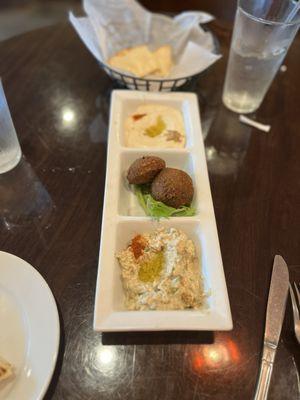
165	276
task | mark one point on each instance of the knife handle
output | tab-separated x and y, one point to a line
265	372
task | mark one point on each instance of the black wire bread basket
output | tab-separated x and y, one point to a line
186	83
147	84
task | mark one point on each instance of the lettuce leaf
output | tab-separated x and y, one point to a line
157	209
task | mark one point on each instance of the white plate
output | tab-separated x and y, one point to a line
29	329
123	218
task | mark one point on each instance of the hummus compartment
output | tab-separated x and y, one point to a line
171	115
155	125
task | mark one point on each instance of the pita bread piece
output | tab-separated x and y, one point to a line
163	57
139	61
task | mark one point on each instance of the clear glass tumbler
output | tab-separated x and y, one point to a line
263	32
10	151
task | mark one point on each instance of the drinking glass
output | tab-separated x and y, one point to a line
263	32
10	151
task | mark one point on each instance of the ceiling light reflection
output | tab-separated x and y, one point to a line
214	356
218	355
28	373
68	116
105	356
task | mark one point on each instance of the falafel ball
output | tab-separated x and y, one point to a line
144	169
173	187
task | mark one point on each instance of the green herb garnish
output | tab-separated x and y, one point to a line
157	209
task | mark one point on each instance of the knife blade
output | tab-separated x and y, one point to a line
278	293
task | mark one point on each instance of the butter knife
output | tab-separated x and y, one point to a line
279	288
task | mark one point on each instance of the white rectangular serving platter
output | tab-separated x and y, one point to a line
123	218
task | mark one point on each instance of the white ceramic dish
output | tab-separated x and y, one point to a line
123	218
29	329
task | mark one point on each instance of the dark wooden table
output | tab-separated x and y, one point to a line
50	215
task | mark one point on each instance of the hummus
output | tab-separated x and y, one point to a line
155	125
160	271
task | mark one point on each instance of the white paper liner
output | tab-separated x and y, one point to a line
117	24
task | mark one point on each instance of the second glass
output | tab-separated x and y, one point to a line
10	151
263	32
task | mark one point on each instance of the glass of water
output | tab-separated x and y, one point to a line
263	32
10	151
